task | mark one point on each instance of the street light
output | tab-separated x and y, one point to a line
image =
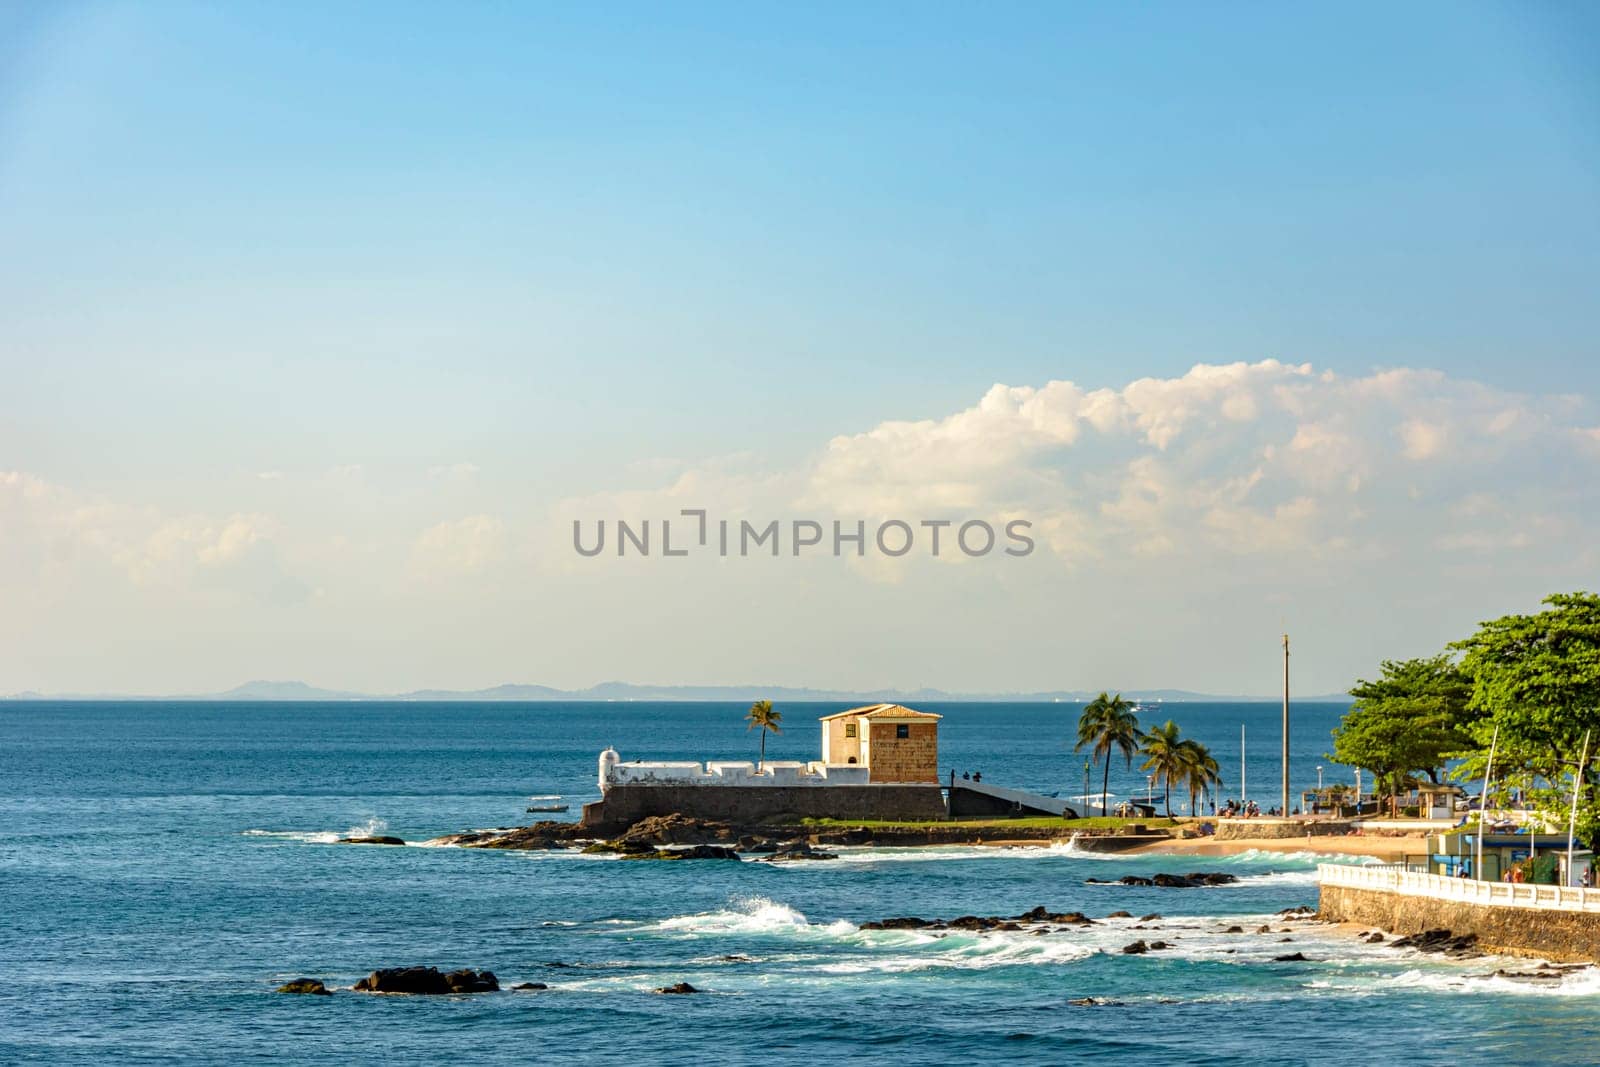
1319	777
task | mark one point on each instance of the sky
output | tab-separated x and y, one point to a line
319	328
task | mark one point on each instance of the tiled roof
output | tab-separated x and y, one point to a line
883	711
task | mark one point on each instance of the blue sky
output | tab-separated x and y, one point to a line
583	250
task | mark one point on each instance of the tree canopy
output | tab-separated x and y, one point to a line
1108	724
1412	718
1536	679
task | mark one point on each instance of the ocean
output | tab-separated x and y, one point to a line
164	866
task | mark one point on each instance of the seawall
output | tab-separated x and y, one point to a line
1555	933
627	804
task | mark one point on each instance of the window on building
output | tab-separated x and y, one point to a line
902	731
849	729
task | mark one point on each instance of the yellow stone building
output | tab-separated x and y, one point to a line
894	743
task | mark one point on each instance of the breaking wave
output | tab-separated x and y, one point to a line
373	827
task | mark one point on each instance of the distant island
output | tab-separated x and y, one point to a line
625	691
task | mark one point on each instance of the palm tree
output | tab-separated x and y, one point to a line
1200	771
762	717
1107	723
1166	757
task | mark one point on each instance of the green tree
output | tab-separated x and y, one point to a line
763	718
1536	679
1166	756
1200	772
1412	718
1108	723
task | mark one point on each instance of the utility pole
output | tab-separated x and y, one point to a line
1285	808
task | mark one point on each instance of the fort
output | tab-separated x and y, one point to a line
879	762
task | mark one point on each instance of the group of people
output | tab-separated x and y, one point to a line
1234	809
972	776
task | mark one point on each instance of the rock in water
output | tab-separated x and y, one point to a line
678	829
1293	957
305	985
427	981
692	852
369	841
681	987
530	985
1138	948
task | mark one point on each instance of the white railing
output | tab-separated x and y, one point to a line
1468	890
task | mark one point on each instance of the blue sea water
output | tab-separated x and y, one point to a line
163	867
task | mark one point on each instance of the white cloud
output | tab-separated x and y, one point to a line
453	471
1222	462
460	547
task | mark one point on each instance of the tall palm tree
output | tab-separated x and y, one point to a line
1200	771
1107	723
1166	757
762	717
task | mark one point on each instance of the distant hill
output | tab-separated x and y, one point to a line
627	691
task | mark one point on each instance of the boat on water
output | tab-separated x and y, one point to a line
545	804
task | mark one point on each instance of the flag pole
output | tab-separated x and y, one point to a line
1483	805
1577	784
1284	811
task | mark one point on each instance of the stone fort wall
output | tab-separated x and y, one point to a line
627	804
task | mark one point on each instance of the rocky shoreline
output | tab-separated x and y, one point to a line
1040	921
779	842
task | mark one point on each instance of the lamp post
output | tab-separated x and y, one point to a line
1319	778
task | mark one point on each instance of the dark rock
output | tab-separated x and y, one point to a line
427	980
1293	957
1234	930
905	922
681	987
526	839
537	837
1171	881
1152	917
1156	946
1092	1002
1138	948
1120	915
1044	915
799	850
305	985
751	843
692	852
1374	938
369	841
678	829
530	985
1263	929
1464	946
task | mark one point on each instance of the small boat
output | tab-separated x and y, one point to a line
546	807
